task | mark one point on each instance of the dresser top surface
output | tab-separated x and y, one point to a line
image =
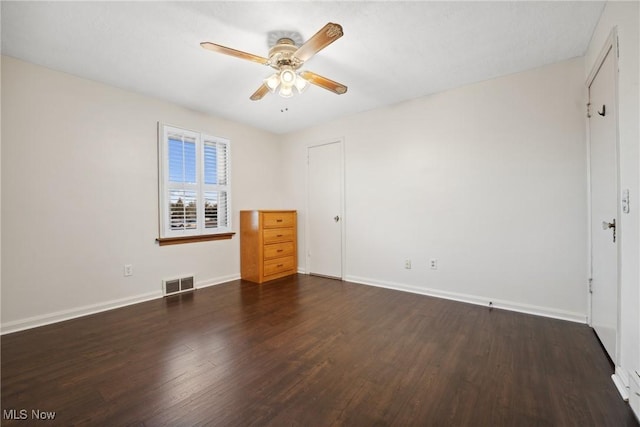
269	210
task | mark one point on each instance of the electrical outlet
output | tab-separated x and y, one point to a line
128	270
433	263
407	264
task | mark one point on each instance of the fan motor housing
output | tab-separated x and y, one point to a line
281	54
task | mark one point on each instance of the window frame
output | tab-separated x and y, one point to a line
200	232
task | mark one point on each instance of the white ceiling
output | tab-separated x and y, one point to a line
391	51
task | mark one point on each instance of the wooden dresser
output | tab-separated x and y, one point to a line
268	242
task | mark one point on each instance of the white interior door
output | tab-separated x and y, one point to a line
604	204
324	217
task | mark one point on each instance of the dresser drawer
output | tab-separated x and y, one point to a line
278	219
279	265
277	250
277	235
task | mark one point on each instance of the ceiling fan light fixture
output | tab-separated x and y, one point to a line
287	77
301	84
272	82
286	91
286	83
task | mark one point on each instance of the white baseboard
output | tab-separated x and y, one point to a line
634	394
473	299
618	380
60	316
301	271
622	375
217	281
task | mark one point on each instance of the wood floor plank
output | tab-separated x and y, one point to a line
311	351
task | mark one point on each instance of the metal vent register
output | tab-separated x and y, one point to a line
175	286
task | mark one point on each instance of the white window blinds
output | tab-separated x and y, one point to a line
194	184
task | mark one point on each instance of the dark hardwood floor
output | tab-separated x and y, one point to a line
309	351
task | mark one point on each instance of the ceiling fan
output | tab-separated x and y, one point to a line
286	58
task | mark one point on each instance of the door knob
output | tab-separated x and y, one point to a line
606	225
336	218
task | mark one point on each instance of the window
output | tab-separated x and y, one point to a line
194	184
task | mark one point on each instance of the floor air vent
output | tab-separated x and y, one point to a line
175	286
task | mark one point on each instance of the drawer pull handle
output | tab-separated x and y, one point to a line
278	220
279	265
279	250
279	235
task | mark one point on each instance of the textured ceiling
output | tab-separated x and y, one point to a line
390	51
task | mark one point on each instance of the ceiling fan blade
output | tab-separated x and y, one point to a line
261	92
324	82
233	52
323	38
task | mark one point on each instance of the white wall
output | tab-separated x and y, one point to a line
0	190
488	178
626	16
80	195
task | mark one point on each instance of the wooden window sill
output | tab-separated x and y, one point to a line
163	241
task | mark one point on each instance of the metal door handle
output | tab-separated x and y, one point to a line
336	218
607	225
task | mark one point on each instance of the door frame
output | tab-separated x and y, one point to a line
610	46
343	257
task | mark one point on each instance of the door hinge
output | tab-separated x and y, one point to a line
590	286
588	110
